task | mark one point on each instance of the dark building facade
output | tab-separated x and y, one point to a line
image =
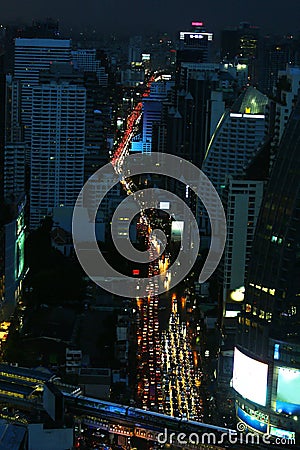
268	339
242	44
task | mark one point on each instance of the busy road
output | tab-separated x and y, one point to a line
167	379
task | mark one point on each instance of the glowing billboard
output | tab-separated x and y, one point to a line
252	421
177	230
250	378
164	205
288	391
283	434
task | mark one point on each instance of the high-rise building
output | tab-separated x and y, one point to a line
287	93
237	137
274	55
15	148
86	60
58	141
2	125
97	122
32	56
241	44
266	373
242	199
235	141
194	45
135	49
189	119
152	111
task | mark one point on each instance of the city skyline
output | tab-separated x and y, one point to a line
149	239
122	18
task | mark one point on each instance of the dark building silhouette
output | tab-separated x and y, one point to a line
241	44
268	334
2	126
188	122
274	54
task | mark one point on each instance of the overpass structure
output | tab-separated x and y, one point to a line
23	388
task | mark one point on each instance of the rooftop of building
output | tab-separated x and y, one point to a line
251	101
24	372
42	42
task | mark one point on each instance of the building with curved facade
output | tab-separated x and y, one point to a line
266	374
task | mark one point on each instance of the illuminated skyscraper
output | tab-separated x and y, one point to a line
194	45
152	111
58	141
237	138
15	148
87	61
31	56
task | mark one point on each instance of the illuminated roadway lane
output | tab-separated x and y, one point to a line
149	387
149	349
175	393
180	378
167	379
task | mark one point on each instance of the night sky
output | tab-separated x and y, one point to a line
164	15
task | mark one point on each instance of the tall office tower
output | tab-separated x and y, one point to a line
58	141
279	109
236	140
87	61
15	148
152	111
97	125
287	92
241	44
266	374
231	77
230	48
188	121
135	49
2	126
194	45
275	54
237	137
31	56
242	200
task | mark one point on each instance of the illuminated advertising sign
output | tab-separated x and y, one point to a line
283	434
195	35
250	378
237	295
20	245
164	205
252	421
146	56
20	260
288	391
177	230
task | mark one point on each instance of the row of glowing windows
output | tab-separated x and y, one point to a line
263	288
11	394
262	314
20	377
